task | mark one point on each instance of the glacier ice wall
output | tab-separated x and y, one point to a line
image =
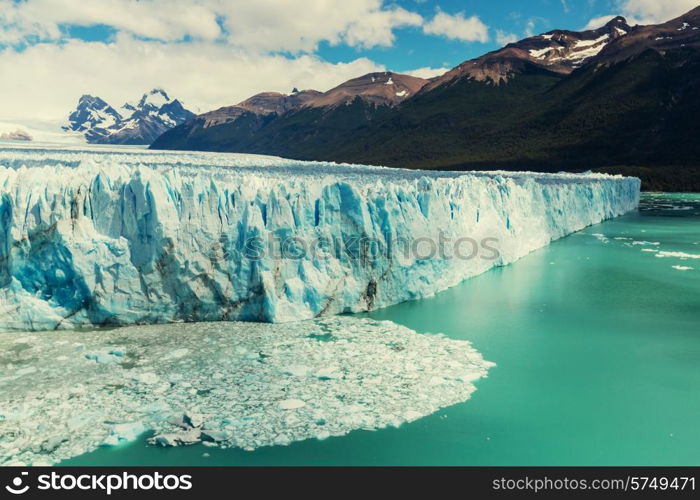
112	237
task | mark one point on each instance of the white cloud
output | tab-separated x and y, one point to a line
265	25
43	81
376	29
530	27
457	27
597	22
646	11
655	11
426	72
171	20
209	53
503	38
300	26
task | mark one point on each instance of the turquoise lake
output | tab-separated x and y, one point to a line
597	344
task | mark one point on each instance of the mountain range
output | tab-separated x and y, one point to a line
619	98
134	123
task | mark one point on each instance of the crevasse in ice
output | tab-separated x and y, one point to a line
93	237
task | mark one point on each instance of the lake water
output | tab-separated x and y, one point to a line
597	345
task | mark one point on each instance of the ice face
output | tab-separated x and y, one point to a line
225	384
92	237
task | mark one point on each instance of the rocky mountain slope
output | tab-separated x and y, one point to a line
560	51
246	119
564	100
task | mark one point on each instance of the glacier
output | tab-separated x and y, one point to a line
98	236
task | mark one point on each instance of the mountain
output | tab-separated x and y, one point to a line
249	115
264	103
618	98
378	89
682	32
237	124
93	117
139	123
559	51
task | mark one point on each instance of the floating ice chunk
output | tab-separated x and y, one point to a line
291	404
176	354
147	378
411	415
282	440
321	435
103	358
192	419
468	377
328	372
680	255
215	436
682	268
123	433
51	444
191	436
297	370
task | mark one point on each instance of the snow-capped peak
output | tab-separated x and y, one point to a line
139	123
155	98
91	112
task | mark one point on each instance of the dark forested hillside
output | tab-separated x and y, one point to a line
632	108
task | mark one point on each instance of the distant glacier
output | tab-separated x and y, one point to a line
109	237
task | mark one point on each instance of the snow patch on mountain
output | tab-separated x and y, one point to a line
156	98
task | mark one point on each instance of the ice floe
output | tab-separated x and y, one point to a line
682	268
197	382
679	255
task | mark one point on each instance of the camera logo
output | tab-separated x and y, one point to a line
16	488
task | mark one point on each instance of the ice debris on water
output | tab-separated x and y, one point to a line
291	404
190	383
121	433
682	268
680	255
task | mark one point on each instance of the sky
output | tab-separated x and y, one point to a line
213	53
